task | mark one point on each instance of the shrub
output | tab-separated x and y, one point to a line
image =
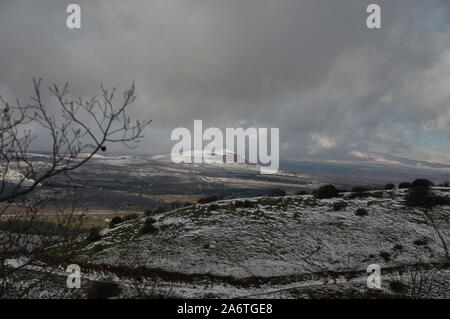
130	217
398	287
398	247
209	199
116	220
361	212
339	205
149	227
148	212
423	197
302	193
385	255
177	204
94	235
327	191
377	194
213	207
404	185
276	192
244	204
160	210
420	242
419	196
103	290
360	191
389	186
421	182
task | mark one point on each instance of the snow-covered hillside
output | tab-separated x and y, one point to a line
247	247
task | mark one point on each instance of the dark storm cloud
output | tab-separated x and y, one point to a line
311	68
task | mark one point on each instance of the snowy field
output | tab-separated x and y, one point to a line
287	247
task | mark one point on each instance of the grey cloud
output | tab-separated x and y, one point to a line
308	67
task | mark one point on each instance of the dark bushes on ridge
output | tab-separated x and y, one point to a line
148	212
418	196
245	204
302	193
209	199
213	207
421	182
404	185
389	186
116	220
149	227
276	192
94	235
423	197
326	191
359	191
130	217
160	210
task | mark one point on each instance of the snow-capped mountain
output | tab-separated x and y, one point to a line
14	177
222	156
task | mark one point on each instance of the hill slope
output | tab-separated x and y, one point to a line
246	247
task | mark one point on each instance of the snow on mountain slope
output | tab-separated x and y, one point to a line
222	156
14	177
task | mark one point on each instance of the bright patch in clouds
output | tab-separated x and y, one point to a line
321	142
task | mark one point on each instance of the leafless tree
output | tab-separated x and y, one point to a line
419	282
76	129
438	222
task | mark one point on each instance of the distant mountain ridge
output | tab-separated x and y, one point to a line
158	174
216	156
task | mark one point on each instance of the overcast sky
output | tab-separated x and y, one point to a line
336	89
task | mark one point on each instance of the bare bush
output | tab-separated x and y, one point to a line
417	282
76	129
